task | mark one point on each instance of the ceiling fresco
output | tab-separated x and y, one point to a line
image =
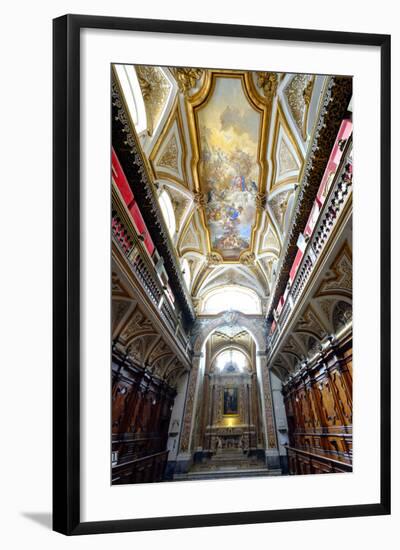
229	147
228	134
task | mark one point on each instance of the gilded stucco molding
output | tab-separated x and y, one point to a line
268	82
187	78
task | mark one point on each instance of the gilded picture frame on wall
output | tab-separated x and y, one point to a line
210	309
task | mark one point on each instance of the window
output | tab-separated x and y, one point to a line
186	272
133	95
231	360
232	298
167	211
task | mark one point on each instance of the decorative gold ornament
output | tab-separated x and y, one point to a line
186	78
268	82
261	200
155	90
199	200
169	157
307	92
298	93
196	304
248	258
213	259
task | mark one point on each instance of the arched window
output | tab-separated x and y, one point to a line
168	211
133	95
231	360
186	272
232	297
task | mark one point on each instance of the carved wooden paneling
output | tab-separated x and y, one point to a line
141	409
319	415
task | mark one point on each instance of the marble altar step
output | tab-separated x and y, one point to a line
226	474
234	455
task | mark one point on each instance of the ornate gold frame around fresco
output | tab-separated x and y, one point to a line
260	104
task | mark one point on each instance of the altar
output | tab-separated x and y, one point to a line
222	439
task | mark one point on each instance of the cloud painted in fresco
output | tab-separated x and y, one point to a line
228	121
238	121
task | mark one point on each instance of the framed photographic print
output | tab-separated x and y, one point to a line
221	274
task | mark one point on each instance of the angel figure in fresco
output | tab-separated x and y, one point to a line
212	211
234	213
230	241
238	183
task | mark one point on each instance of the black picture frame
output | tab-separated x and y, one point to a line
66	273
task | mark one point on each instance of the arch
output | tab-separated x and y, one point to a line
204	327
232	356
281	371
334	298
227	347
245	299
167	211
173	379
342	314
141	335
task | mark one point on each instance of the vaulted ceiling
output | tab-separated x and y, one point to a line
229	148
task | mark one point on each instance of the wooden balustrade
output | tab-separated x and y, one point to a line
305	462
140	470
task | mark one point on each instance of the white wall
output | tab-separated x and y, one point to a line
26	271
175	425
280	413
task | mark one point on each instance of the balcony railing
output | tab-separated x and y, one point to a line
124	235
330	212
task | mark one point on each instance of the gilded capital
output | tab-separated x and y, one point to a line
199	200
213	259
248	258
261	200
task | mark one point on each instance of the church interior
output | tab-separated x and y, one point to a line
231	243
